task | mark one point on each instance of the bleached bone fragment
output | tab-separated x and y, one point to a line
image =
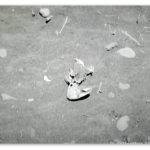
46	78
5	96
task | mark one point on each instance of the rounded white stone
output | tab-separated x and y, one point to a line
122	123
124	86
126	52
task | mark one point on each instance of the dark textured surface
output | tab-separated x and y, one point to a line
34	46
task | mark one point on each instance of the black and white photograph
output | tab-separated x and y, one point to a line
72	74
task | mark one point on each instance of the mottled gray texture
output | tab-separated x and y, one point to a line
34	50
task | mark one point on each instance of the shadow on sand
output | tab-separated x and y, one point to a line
83	98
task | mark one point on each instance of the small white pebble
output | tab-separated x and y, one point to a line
30	99
111	95
3	53
122	123
46	78
124	86
126	52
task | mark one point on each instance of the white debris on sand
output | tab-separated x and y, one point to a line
30	99
79	61
122	123
124	86
33	13
44	12
100	88
126	52
111	46
63	26
132	38
3	53
111	95
7	97
46	78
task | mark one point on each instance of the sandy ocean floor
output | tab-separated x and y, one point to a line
33	110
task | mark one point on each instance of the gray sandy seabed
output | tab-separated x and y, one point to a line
35	56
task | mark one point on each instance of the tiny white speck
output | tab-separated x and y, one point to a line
30	99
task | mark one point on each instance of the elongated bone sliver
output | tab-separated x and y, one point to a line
65	22
79	61
100	88
7	97
132	38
